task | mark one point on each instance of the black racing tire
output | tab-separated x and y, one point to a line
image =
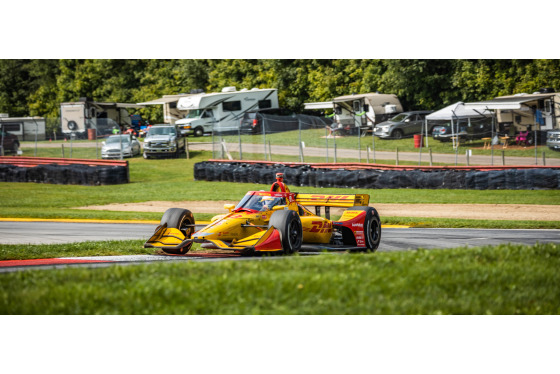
372	227
181	219
397	134
288	223
198	132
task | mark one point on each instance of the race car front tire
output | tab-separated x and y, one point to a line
183	220
372	227
288	223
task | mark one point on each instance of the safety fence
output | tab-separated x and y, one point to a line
373	176
63	171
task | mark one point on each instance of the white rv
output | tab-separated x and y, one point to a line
363	110
25	128
222	111
78	117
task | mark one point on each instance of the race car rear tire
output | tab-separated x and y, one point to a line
288	223
180	219
372	227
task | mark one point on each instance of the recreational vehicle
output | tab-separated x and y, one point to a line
25	128
222	111
78	117
361	111
533	114
538	109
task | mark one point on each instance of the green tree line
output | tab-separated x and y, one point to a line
37	87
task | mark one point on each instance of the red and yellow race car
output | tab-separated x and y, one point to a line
275	221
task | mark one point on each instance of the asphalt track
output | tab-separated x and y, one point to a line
393	239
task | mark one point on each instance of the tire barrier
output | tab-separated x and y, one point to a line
65	171
369	176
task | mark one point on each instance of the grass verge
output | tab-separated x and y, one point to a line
507	279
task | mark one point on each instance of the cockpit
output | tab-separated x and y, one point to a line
260	203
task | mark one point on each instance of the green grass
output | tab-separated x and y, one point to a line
172	180
508	279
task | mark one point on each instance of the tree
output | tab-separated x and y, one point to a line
14	87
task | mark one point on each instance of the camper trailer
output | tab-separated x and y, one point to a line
533	114
25	128
548	104
361	111
78	117
222	111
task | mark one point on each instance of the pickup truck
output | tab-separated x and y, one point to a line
163	140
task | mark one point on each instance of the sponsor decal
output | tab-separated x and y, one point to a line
332	197
321	227
360	225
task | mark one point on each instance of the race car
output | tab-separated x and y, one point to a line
275	221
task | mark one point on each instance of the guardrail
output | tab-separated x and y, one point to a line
54	170
364	166
374	176
34	161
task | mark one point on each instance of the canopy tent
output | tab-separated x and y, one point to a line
458	110
454	112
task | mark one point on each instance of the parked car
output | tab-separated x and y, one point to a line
478	130
401	125
163	140
8	142
128	143
553	140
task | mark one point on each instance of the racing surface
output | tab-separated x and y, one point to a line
392	239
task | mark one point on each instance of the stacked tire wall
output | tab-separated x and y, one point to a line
65	174
371	178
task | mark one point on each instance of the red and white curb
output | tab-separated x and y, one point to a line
110	259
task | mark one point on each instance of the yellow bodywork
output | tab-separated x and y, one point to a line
344	201
165	237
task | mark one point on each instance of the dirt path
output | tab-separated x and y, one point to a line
467	211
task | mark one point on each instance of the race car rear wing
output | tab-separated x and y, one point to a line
307	199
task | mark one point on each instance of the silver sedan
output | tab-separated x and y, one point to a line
112	147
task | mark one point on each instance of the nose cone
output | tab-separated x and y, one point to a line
222	229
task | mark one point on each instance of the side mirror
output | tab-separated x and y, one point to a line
229	207
278	207
102	143
407	120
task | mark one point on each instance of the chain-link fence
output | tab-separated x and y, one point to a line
293	138
317	139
